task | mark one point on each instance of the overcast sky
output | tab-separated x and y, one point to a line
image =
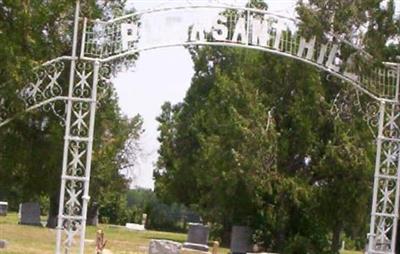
163	75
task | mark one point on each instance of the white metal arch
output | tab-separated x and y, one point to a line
105	41
245	27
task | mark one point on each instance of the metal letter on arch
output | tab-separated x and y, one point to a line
105	42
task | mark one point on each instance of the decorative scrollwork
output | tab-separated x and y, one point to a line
44	84
74	191
71	229
372	113
84	71
45	89
58	108
79	119
104	82
384	210
77	152
348	103
3	111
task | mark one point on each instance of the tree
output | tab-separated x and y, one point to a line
31	147
372	26
272	169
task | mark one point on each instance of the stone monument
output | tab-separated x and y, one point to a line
164	247
197	237
30	214
144	220
3	244
3	208
241	240
93	215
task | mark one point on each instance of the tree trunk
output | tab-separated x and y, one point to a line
281	238
53	212
336	238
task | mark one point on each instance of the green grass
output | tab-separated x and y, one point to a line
36	240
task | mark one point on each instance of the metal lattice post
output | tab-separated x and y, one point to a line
77	157
78	144
86	197
67	131
385	203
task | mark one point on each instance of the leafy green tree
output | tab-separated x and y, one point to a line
32	32
370	24
245	164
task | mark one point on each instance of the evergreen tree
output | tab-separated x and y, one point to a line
273	170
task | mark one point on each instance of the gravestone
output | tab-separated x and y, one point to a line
3	244
3	208
135	226
30	214
191	251
241	240
144	219
93	215
197	237
164	247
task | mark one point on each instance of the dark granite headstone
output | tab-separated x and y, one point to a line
93	215
241	240
197	237
3	244
3	208
30	214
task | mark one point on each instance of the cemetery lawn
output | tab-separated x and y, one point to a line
36	240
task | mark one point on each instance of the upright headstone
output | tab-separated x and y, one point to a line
3	208
197	237
3	244
93	215
144	219
241	240
30	214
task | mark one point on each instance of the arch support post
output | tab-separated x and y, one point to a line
385	201
78	146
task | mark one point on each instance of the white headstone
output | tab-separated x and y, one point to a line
134	226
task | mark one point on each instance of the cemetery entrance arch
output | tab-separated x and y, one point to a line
98	46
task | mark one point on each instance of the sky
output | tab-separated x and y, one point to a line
158	76
163	75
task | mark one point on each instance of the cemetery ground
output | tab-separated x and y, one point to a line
35	240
